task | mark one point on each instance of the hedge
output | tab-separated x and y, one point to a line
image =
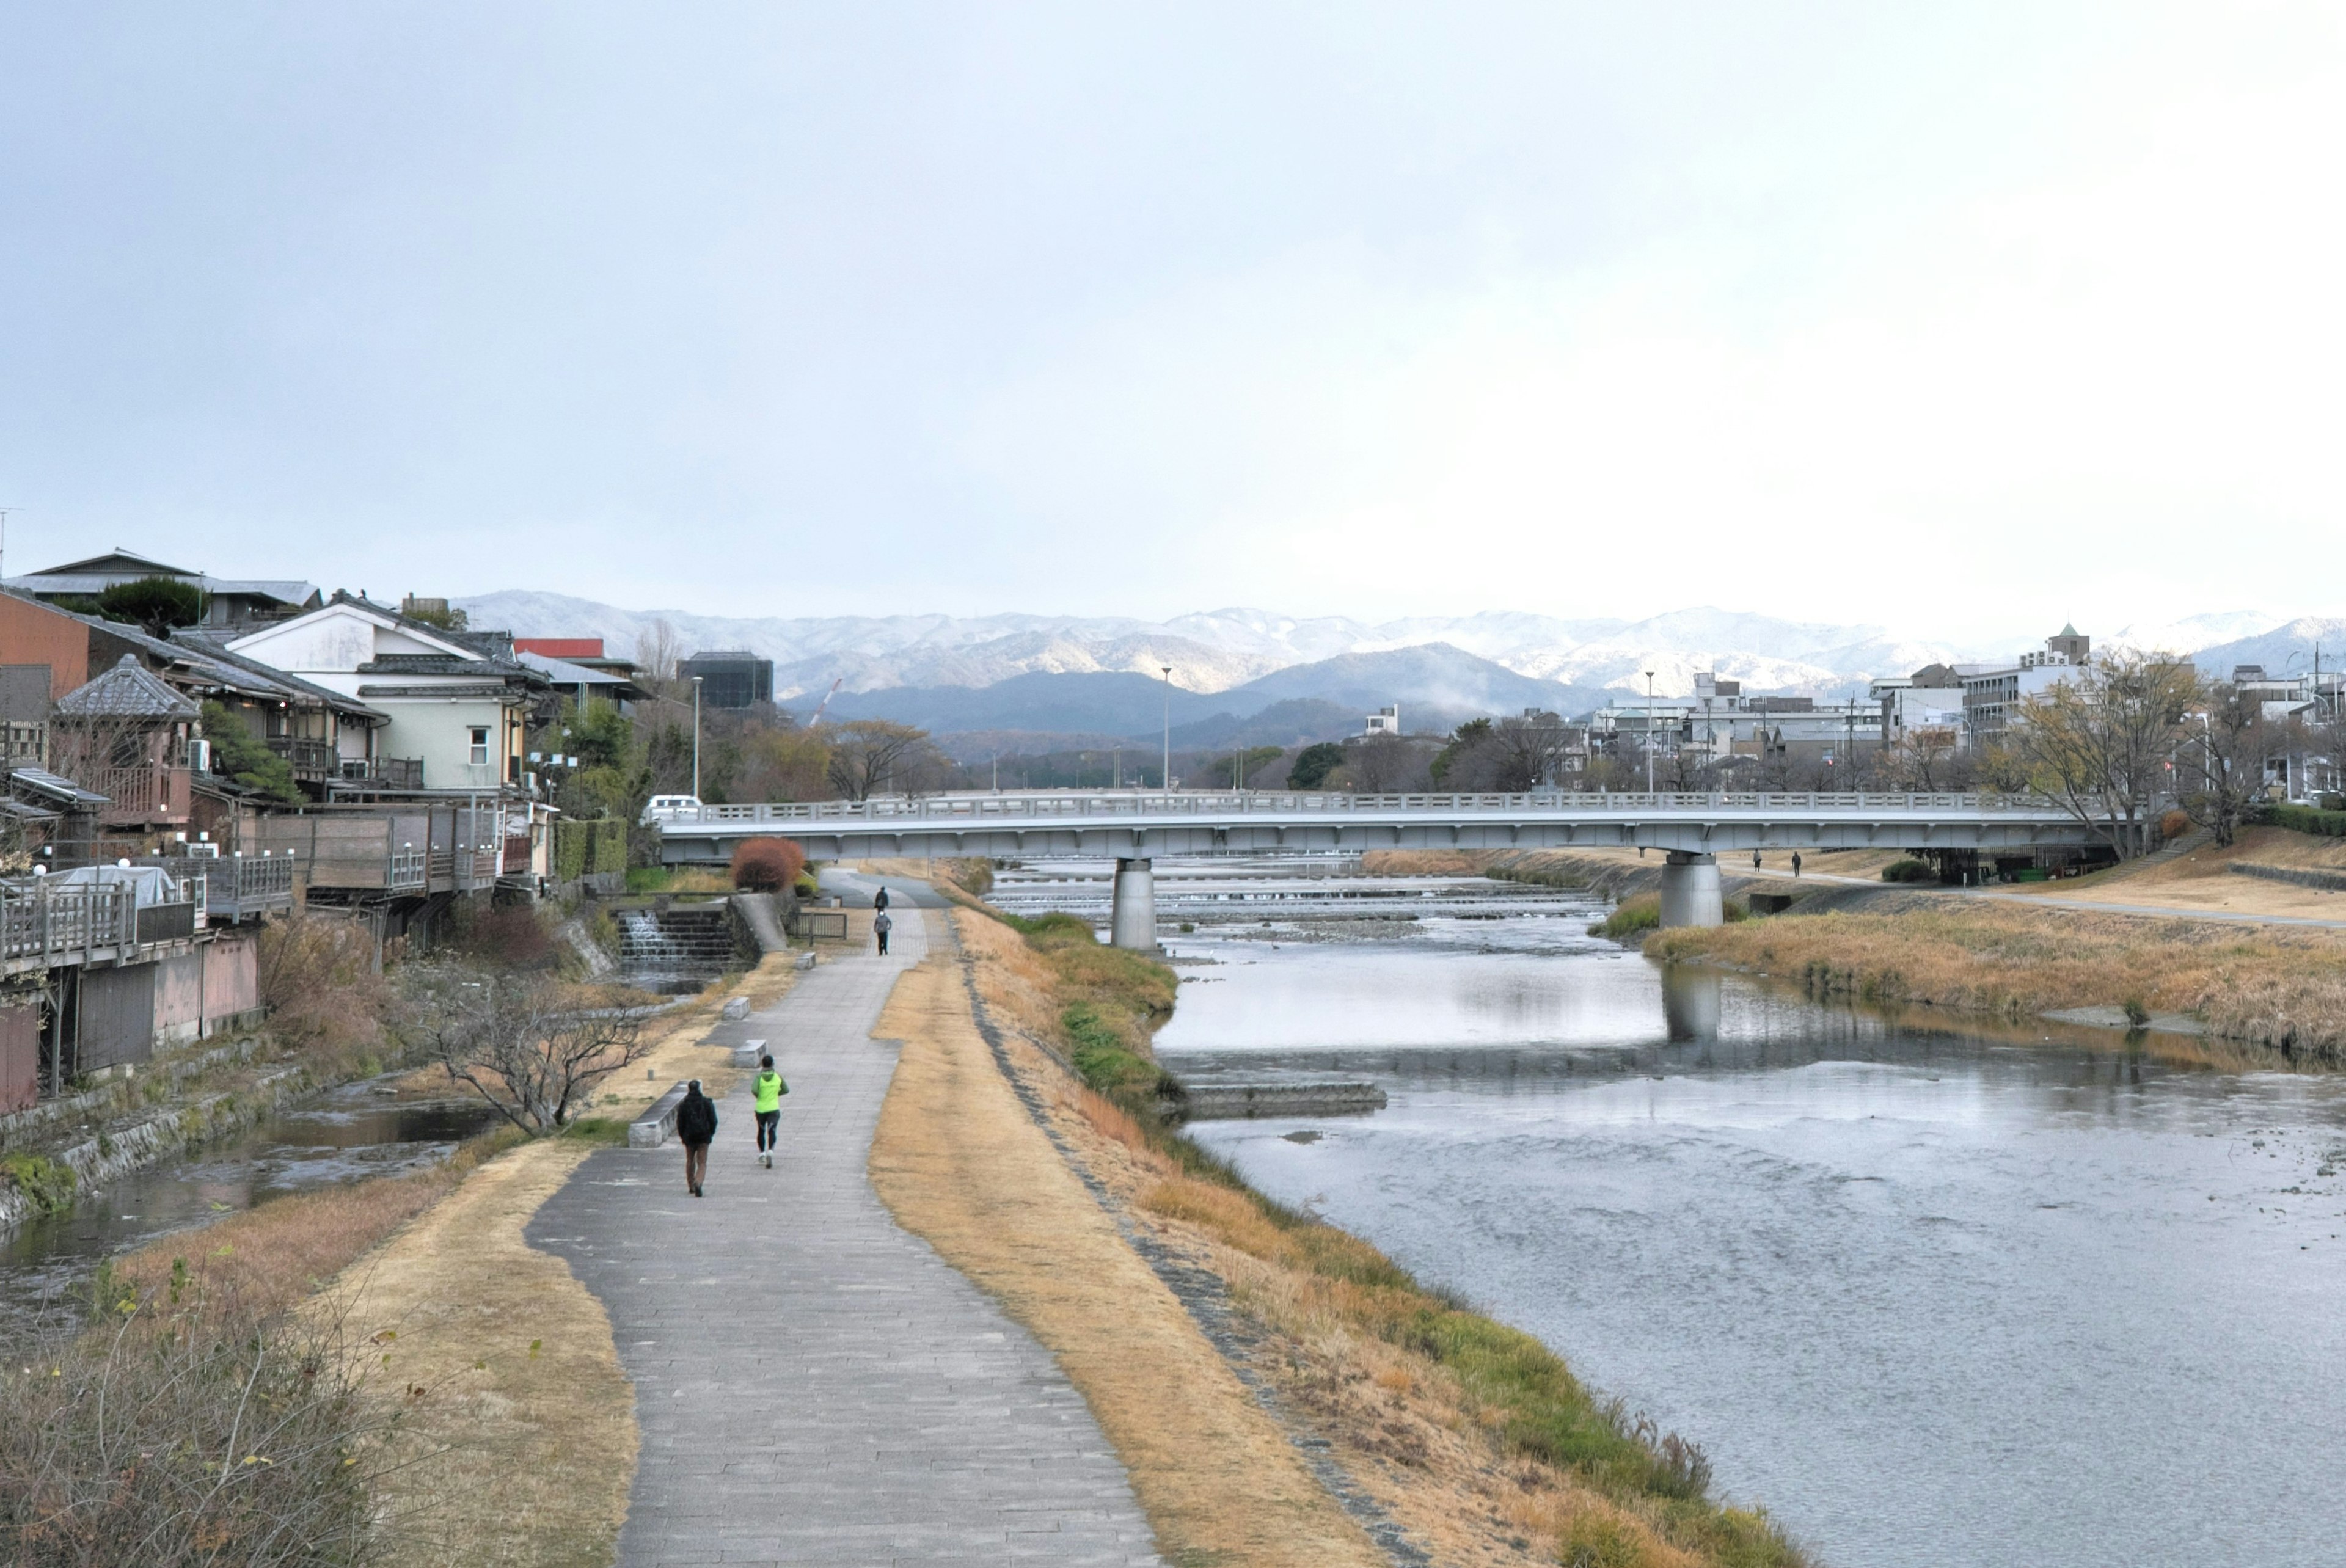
585	846
2306	820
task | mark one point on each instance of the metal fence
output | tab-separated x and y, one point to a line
1129	804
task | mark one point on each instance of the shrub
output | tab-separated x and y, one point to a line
2174	825
181	1434
2306	820
1910	870
767	865
321	982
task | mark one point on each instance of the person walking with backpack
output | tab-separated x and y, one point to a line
880	898
880	924
769	1090
695	1125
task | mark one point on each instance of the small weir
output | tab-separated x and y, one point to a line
676	950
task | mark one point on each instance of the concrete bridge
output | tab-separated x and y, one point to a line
1134	828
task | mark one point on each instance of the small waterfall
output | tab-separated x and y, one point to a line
676	950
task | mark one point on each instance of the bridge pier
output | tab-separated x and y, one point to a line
1132	908
1690	891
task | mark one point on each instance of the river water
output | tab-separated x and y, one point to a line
1931	1296
343	1135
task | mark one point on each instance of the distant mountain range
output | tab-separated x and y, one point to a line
1249	676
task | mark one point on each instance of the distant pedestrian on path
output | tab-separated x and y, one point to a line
880	898
770	1089
1755	859
880	925
1796	862
696	1125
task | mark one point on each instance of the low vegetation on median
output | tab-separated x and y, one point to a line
1618	1491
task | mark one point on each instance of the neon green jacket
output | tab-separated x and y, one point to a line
770	1089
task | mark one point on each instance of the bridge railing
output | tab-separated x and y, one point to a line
1227	803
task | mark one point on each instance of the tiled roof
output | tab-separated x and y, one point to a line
129	690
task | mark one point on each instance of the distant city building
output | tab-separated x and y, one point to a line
1992	693
729	677
1385	720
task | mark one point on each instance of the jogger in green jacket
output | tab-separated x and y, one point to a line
769	1090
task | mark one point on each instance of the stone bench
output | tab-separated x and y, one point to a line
657	1125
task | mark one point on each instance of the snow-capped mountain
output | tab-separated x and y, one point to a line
1218	650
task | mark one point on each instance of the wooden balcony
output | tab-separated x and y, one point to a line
311	760
158	796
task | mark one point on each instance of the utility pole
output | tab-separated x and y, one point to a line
998	772
1169	727
1649	732
695	739
5	513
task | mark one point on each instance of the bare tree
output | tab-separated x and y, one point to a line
1924	759
529	1045
2098	744
2220	767
658	653
1386	764
875	756
1507	755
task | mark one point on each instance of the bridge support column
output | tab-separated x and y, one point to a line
1690	891
1132	911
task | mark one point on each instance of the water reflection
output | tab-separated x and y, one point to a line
345	1135
1936	1296
1690	1001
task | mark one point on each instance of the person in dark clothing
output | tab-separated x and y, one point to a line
1755	859
696	1125
880	924
1796	862
880	898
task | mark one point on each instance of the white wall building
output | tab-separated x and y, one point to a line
455	701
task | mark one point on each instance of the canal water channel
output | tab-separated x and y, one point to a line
343	1135
1933	1296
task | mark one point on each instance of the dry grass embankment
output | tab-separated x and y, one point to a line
960	1163
2279	987
1473	1438
486	1398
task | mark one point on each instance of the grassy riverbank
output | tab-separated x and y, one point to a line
2272	986
1475	1437
435	1389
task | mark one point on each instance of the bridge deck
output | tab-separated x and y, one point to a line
1134	824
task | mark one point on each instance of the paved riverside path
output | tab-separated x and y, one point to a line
813	1384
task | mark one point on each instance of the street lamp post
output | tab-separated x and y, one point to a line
1649	732
1169	727
696	738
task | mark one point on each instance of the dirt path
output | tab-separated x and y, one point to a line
520	1381
960	1163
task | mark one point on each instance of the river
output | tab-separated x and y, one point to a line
1934	1297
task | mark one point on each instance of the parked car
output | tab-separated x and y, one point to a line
668	807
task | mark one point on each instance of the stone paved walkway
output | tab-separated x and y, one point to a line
813	1384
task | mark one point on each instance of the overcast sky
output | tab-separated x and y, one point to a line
1962	318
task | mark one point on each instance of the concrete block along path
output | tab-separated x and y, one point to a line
813	1384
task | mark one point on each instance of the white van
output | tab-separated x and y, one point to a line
668	807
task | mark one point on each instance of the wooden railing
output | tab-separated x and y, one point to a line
309	759
141	794
390	772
